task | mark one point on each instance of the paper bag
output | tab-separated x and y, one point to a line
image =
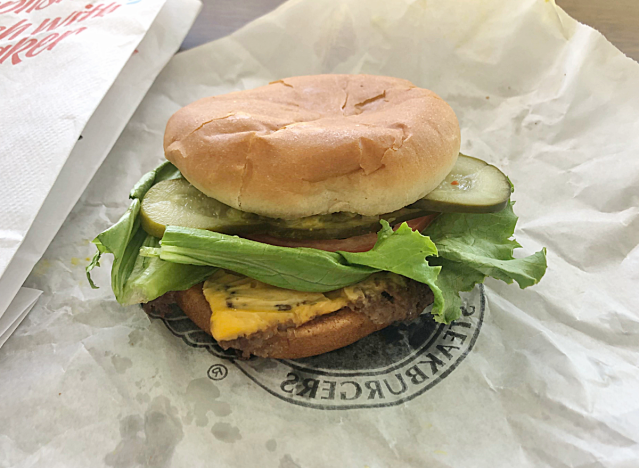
98	135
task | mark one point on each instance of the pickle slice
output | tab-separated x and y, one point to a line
472	186
177	203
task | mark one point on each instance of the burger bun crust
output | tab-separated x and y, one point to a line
317	144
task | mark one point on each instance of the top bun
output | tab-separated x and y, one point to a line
318	144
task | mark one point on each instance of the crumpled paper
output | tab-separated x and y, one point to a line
42	206
541	377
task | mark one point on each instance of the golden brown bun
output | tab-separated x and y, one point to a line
321	335
316	144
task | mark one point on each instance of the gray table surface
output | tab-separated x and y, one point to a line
220	18
618	20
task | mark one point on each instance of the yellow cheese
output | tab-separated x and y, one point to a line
242	306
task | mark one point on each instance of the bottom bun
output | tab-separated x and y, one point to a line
320	335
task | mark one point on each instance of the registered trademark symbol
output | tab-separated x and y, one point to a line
217	372
468	311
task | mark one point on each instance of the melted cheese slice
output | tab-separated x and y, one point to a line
242	306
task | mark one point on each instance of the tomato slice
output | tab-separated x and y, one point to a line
361	243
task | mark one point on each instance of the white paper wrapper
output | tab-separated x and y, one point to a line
97	43
44	110
542	377
98	136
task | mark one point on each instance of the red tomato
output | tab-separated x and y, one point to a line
352	244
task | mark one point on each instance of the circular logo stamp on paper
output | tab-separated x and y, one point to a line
217	372
386	368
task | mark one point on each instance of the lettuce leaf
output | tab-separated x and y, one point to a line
403	251
136	279
300	269
453	278
122	239
151	278
474	246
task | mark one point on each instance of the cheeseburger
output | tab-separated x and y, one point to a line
296	218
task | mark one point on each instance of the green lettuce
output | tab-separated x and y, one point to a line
403	251
300	269
136	279
474	246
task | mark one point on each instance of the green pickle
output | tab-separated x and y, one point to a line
177	203
473	186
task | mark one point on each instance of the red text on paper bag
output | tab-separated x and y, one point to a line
29	40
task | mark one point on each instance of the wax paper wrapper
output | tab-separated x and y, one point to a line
541	377
45	164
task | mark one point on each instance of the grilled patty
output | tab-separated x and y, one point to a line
320	335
